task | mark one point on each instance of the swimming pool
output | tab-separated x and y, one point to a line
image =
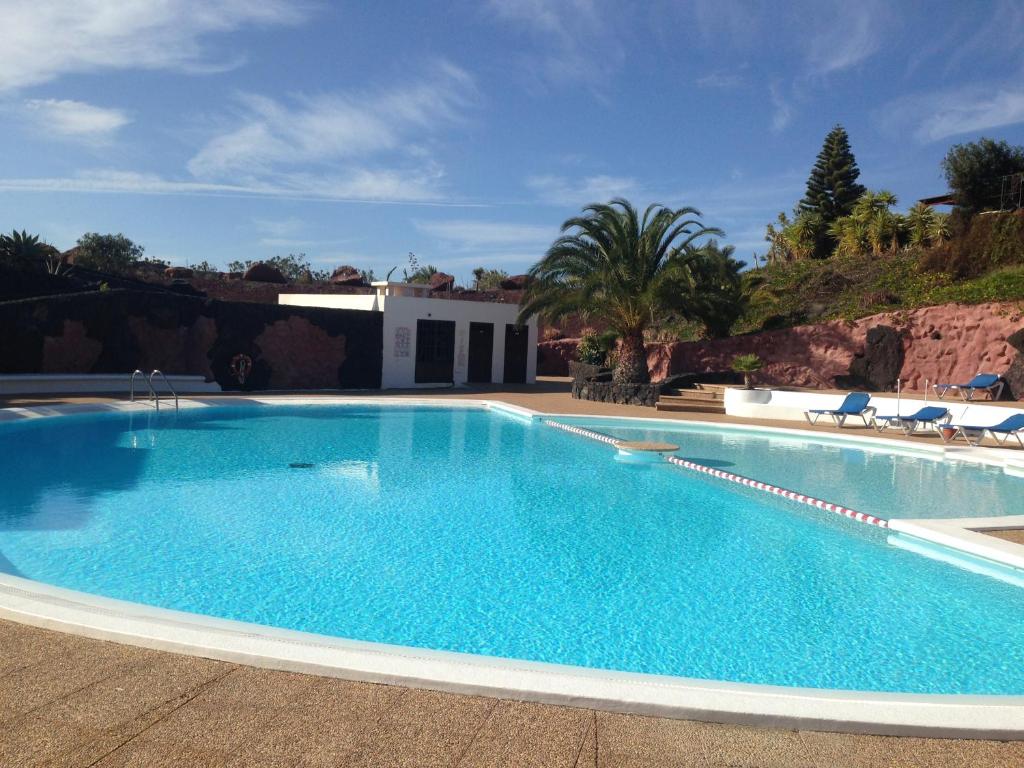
465	530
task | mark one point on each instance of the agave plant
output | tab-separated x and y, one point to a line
621	267
20	249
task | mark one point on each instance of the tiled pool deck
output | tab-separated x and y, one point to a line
72	701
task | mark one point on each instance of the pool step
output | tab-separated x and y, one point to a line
704	398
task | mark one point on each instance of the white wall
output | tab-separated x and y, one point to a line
402	312
400	316
331	301
790	406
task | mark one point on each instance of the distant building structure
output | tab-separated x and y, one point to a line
432	341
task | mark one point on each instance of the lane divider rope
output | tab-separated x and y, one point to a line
801	498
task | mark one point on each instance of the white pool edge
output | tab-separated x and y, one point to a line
948	716
935	715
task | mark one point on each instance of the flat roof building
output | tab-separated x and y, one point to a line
433	342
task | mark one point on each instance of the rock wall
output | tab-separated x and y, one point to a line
119	331
946	343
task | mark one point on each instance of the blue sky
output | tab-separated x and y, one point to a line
466	132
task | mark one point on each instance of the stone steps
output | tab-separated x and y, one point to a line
704	398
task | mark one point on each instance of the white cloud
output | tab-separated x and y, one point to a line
44	39
560	190
723	80
471	235
575	42
984	111
942	114
841	34
364	188
75	119
782	111
341	145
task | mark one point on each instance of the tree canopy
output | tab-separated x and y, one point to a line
974	172
107	253
832	189
620	267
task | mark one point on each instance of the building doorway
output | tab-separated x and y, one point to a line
435	351
517	338
481	352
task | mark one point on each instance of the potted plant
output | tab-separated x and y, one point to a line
747	364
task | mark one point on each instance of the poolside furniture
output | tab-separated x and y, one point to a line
855	404
1007	428
982	382
930	415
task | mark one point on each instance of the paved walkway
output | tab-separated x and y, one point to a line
72	701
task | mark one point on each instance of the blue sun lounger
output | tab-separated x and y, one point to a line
930	415
855	404
983	382
1001	432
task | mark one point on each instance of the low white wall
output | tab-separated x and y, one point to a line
791	406
363	301
71	383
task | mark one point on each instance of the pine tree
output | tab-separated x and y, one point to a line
832	188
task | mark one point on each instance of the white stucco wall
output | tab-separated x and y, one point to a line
791	406
402	312
400	316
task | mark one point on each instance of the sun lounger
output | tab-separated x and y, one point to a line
1001	432
930	415
855	404
983	382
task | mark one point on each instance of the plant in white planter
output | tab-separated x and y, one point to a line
747	364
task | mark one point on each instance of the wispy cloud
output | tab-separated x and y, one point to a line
782	111
349	145
841	34
942	114
574	40
722	80
74	119
472	235
44	39
288	188
561	190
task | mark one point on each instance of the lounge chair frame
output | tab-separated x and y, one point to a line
966	391
974	435
909	424
839	417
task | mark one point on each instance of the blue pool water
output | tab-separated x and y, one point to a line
470	531
874	481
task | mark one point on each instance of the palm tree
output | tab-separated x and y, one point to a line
613	265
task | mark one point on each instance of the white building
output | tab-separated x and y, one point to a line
430	342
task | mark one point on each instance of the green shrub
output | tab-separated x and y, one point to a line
988	241
590	350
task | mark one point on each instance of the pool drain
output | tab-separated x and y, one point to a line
300	465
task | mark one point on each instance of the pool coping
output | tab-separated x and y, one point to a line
935	715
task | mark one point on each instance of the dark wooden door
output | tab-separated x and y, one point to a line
517	339
435	351
481	352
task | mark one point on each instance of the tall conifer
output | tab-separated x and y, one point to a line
832	188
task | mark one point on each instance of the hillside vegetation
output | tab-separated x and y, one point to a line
982	262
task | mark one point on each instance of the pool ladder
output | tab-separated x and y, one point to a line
154	396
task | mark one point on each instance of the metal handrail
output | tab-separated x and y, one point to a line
131	387
157	371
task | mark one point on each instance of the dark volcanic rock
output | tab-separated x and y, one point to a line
879	366
346	275
264	273
515	282
440	281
